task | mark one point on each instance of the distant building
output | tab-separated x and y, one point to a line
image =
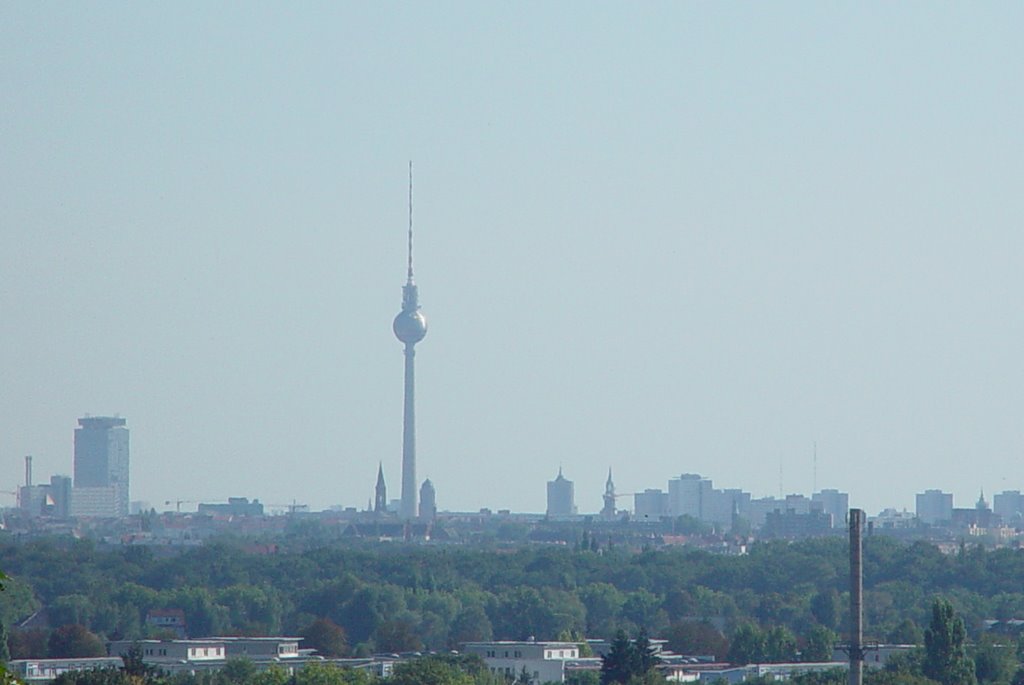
978	517
608	499
835	503
543	662
1009	506
561	497
171	621
428	501
934	507
212	652
794	525
686	495
650	505
49	499
101	467
47	670
758	509
236	506
99	502
380	493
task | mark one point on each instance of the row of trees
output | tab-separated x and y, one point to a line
775	602
944	660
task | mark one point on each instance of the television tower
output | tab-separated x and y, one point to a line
410	326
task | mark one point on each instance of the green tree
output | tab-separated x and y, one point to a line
470	625
275	675
95	676
693	638
826	609
5	651
329	674
819	643
28	644
238	671
780	645
995	660
429	671
619	664
946	659
74	641
326	637
135	665
905	633
582	678
396	635
747	645
628	660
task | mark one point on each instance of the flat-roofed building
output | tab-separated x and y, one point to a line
47	670
543	662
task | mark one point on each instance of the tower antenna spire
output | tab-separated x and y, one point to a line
410	221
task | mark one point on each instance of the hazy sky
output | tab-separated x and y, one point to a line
661	237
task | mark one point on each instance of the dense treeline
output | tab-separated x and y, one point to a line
789	597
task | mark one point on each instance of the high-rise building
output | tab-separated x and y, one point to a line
428	501
686	495
561	496
101	467
935	506
410	326
1009	505
650	505
835	503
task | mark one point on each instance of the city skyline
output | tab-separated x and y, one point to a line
668	239
101	461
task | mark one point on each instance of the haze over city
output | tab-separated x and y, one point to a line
662	239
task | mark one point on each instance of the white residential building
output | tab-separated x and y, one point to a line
543	661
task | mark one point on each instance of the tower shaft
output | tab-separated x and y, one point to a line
408	508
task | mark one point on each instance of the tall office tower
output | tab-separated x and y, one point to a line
428	501
835	503
934	506
1009	505
410	326
561	496
101	467
650	505
686	495
380	499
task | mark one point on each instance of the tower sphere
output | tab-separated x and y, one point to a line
410	327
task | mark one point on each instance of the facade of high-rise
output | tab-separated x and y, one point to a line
834	503
48	499
428	501
934	506
650	505
1009	505
410	326
561	496
101	468
686	495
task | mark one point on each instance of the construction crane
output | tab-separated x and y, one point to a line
16	495
178	502
292	507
